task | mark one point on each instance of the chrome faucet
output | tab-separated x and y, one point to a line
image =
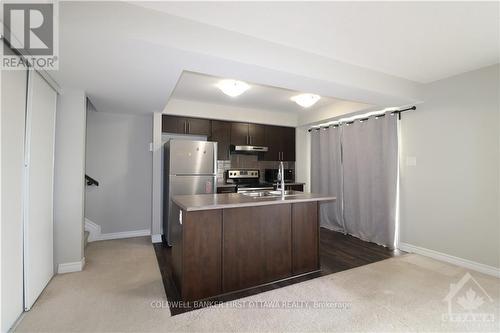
281	179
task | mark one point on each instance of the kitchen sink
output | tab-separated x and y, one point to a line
272	194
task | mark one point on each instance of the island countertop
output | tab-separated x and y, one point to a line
234	200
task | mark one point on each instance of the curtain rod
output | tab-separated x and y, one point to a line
394	112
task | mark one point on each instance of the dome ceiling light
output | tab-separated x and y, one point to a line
306	100
232	88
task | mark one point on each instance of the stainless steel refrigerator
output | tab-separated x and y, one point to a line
190	168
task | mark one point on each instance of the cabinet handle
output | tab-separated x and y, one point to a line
185	127
250	139
189	127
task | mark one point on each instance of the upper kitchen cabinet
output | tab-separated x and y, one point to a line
248	134
221	133
185	125
239	134
257	134
288	144
281	143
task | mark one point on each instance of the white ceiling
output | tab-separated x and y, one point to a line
128	58
418	41
202	88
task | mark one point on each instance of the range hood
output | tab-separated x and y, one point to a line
248	149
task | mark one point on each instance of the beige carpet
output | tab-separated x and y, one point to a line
121	280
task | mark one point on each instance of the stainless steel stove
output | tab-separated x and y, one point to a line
247	180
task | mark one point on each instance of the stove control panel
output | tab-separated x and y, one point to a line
248	173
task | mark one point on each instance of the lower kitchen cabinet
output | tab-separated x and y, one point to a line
257	246
217	251
305	237
200	266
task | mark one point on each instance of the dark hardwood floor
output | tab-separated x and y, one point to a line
338	252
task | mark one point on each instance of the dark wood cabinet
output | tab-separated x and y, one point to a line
172	124
200	262
305	234
185	125
221	133
287	144
279	140
239	134
226	250
197	126
256	134
281	143
248	134
256	246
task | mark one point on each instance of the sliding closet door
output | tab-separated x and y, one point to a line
13	105
38	218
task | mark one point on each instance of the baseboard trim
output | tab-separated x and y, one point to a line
71	267
125	234
476	266
95	233
156	238
94	230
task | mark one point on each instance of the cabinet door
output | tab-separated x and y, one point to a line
256	245
201	257
173	124
239	134
305	237
198	126
221	133
287	143
257	134
273	143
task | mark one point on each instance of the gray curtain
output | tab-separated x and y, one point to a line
370	166
326	174
358	163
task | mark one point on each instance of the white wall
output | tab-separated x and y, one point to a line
334	110
450	199
118	157
13	105
231	113
69	183
303	156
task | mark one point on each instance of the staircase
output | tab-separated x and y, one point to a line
85	238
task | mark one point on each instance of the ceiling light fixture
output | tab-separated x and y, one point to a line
306	100
232	88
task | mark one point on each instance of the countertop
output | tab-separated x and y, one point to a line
234	200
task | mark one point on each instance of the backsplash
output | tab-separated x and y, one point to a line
242	161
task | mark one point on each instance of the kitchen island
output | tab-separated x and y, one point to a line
223	243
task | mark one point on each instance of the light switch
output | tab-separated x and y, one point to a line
151	147
411	161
